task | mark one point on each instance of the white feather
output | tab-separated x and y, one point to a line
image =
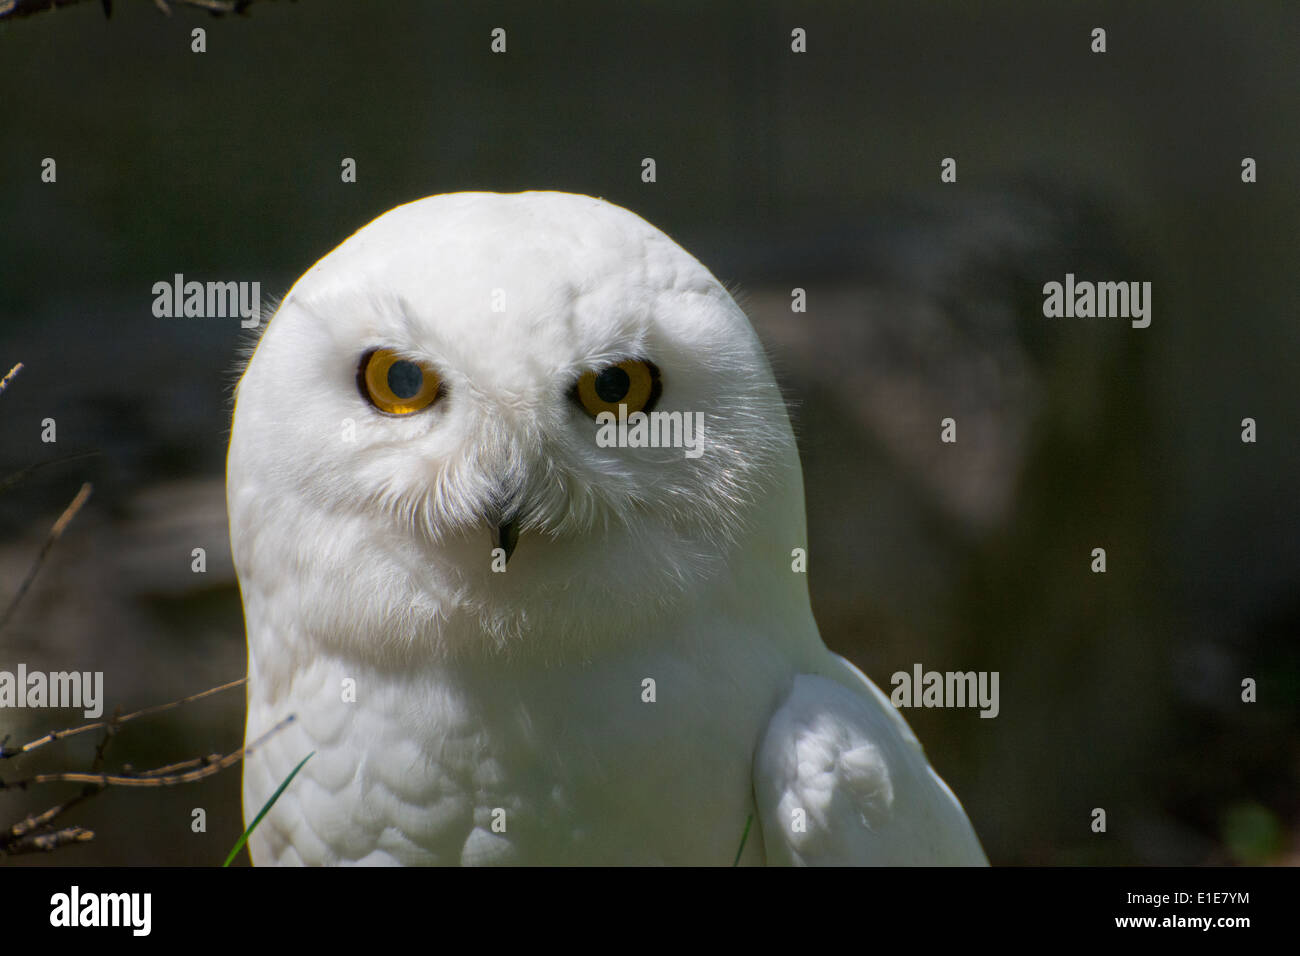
481	698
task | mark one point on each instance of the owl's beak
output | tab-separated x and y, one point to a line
506	535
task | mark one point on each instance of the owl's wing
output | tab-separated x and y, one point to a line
840	779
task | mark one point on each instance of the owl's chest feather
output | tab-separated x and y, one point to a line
587	765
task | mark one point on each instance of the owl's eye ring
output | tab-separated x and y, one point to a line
632	382
395	384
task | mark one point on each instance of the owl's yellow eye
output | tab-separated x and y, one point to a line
632	382
396	385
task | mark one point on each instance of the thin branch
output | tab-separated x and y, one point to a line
25	8
212	764
109	730
215	7
4	382
56	532
37	834
173	768
114	721
48	842
18	476
42	821
9	9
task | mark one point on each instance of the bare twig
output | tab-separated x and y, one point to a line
215	7
56	532
25	8
173	768
115	721
18	476
48	841
36	832
41	821
109	730
206	767
4	382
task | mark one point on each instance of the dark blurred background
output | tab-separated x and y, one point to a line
777	170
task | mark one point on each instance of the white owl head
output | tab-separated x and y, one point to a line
424	394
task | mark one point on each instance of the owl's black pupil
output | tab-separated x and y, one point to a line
612	384
405	379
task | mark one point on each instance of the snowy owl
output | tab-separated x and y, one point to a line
506	641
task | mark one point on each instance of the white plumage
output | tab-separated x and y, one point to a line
459	714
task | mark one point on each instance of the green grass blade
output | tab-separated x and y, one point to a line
239	844
743	837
